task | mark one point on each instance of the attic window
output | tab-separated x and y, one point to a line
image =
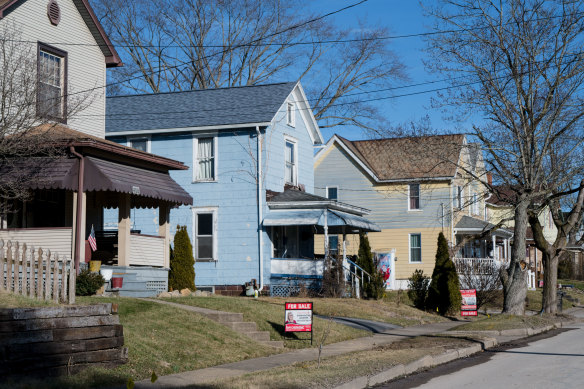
290	115
54	12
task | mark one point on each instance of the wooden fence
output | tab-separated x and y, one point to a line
37	274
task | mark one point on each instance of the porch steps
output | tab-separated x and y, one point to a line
233	321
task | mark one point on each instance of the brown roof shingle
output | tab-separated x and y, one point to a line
409	158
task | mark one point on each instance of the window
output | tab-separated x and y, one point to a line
293	242
205	165
415	247
333	245
475	203
205	234
458	196
52	82
142	144
414	195
290	153
290	115
332	192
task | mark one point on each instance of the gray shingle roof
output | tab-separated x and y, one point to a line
471	222
296	195
198	108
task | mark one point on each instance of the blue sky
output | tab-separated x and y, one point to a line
401	17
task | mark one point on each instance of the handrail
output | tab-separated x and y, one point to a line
358	267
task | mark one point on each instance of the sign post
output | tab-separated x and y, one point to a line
469	302
298	318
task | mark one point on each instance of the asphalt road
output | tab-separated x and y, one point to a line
555	360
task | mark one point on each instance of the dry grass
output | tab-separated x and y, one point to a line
268	314
10	300
507	322
337	370
165	340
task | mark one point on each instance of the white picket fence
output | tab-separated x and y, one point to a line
36	274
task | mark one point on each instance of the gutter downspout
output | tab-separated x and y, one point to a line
80	175
260	208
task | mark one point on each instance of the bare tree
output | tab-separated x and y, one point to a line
27	117
176	45
518	64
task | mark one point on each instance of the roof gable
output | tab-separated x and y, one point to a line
243	106
401	159
112	58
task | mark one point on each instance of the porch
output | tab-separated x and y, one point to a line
293	220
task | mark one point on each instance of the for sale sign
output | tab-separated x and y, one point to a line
469	302
298	317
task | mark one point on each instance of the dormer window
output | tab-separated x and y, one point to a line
290	114
52	81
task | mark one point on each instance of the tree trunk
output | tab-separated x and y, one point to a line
549	302
514	278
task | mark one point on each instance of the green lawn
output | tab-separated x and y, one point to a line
268	314
9	300
507	322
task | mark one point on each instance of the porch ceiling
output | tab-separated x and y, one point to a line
470	225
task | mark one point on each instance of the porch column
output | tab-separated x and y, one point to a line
124	226
344	254
164	230
79	225
506	248
326	243
495	251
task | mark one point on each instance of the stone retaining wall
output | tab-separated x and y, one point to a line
60	340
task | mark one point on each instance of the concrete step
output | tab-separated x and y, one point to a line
226	317
260	336
274	343
242	326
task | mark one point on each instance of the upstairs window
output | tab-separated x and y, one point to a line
52	82
290	154
458	196
205	159
332	192
414	196
140	144
415	247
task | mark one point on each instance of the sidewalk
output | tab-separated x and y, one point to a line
202	376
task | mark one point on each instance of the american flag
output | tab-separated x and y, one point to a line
91	239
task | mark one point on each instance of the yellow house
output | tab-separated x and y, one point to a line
415	187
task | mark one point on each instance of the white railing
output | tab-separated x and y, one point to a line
476	265
147	250
57	239
36	273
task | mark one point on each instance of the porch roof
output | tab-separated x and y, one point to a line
471	225
316	217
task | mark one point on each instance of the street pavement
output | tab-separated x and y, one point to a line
362	324
554	362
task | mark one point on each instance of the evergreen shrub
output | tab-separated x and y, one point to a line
87	283
182	262
418	288
444	292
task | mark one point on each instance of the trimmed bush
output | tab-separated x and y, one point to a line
182	262
374	287
88	283
418	288
444	292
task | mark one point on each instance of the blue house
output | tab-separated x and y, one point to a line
240	143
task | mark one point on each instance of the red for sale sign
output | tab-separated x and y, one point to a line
469	302
298	317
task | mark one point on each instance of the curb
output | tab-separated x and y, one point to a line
448	356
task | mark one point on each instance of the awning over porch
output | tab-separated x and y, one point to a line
303	217
471	225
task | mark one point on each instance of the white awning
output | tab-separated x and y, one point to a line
315	217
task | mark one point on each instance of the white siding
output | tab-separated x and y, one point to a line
85	60
147	250
57	240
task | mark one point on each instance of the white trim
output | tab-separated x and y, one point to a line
214	211
186	129
419	199
327	193
289	139
195	166
291	113
410	247
129	140
307	115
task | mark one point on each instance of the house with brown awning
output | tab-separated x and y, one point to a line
72	173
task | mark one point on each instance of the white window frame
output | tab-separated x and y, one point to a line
288	139
62	56
410	247
419	198
195	167
148	139
327	192
290	114
475	203
214	211
458	197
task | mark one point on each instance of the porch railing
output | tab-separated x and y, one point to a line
35	273
476	265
